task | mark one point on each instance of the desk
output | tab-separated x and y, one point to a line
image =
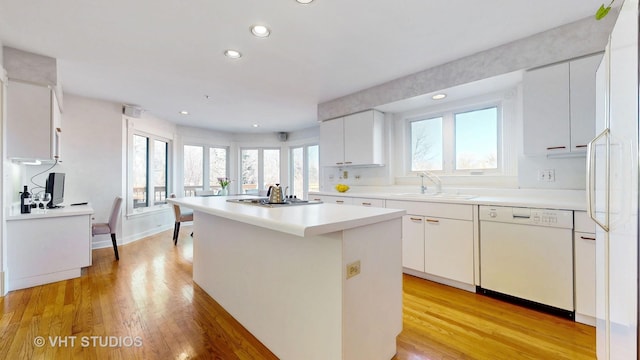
49	247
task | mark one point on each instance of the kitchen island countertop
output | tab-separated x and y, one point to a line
300	220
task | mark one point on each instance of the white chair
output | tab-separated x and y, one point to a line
181	216
110	227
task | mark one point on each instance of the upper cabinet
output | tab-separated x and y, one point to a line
559	107
352	140
33	122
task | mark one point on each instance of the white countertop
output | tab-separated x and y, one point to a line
300	220
547	199
51	213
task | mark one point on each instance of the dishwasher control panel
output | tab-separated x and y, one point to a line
527	216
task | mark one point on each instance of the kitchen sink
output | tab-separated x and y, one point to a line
438	196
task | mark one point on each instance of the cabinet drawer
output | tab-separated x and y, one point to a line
583	223
441	210
368	202
328	199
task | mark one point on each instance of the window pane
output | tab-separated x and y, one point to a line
477	139
249	166
193	169
426	144
297	161
160	149
217	166
314	168
140	162
271	167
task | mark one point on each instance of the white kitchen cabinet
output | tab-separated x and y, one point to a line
448	249
33	122
368	202
413	242
328	199
585	268
559	107
445	234
352	140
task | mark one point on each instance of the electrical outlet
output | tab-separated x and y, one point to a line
548	175
353	269
345	174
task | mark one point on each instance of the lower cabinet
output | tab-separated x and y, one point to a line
435	245
448	249
584	240
341	200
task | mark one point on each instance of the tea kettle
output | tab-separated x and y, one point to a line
276	194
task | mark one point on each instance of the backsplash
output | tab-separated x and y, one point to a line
568	173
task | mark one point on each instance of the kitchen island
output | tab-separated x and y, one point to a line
318	281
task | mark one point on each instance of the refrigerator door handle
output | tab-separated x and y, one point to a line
591	179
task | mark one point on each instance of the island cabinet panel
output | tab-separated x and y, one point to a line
296	293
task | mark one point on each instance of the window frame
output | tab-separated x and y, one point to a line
305	167
151	205
449	139
260	179
206	163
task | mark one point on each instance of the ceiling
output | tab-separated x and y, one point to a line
167	55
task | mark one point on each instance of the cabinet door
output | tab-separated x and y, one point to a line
448	250
413	242
332	142
585	273
363	138
28	121
546	110
582	74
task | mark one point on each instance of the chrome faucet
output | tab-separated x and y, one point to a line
434	179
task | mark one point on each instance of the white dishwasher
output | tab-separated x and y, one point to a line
527	254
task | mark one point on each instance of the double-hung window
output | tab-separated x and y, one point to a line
149	169
260	168
305	170
456	142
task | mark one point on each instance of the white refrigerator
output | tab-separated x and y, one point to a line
612	188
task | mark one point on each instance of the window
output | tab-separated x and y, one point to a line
193	169
426	144
456	141
260	169
217	166
148	171
477	139
305	170
200	160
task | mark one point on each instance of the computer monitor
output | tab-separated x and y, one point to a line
55	186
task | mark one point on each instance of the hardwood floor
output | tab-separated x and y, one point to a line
146	306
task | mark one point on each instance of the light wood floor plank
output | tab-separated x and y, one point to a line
150	294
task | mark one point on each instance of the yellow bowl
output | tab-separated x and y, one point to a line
342	187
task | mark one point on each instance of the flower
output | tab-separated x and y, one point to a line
224	182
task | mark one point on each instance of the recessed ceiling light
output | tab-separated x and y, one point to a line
256	125
304	1
233	54
260	31
439	96
184	112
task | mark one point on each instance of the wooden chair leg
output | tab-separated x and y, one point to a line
176	232
115	246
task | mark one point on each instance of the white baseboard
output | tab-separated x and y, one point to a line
441	280
128	239
585	319
3	291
